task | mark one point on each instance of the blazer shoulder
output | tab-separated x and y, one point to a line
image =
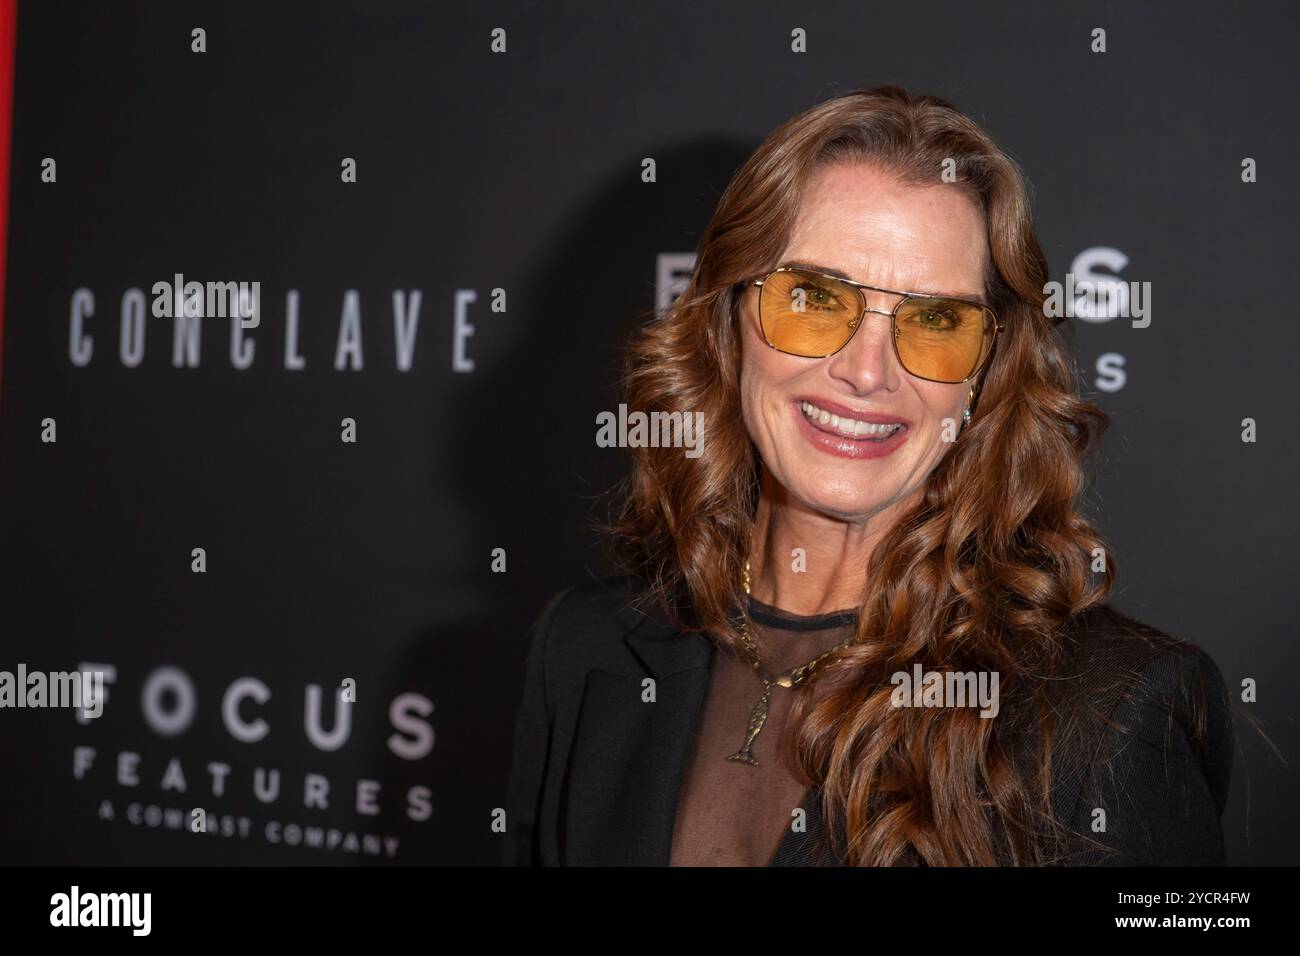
578	623
1117	675
1112	656
1144	728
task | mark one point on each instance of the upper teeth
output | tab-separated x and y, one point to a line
849	427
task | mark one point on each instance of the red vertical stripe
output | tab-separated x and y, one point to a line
8	32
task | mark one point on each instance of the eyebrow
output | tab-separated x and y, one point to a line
814	267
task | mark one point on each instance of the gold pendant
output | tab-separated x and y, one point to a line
757	718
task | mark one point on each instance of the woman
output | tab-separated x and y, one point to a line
866	625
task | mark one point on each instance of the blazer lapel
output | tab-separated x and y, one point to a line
630	756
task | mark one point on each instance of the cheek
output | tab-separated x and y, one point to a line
755	398
768	380
750	378
762	371
942	401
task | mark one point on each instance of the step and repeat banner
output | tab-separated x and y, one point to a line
312	311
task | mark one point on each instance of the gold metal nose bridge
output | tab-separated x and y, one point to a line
857	320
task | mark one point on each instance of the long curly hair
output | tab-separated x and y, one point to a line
980	575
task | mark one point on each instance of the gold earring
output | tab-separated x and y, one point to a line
965	416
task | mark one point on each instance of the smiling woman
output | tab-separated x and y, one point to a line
890	486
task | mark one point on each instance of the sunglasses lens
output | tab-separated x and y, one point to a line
808	314
944	340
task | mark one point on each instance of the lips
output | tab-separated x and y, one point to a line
840	420
848	433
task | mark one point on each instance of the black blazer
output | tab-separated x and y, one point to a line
596	772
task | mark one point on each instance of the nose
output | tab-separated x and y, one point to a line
867	363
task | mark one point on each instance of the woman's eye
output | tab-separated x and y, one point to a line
813	297
939	319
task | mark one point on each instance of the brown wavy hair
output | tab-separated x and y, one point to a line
980	575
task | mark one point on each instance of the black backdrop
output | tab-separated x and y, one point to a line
521	171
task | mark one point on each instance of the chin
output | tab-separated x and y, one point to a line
846	507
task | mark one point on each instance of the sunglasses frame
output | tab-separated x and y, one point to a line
893	318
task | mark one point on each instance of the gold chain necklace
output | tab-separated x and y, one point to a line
790	679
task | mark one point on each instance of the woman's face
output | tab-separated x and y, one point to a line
862	222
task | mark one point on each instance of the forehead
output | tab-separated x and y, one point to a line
866	223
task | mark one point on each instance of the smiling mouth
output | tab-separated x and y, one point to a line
849	427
